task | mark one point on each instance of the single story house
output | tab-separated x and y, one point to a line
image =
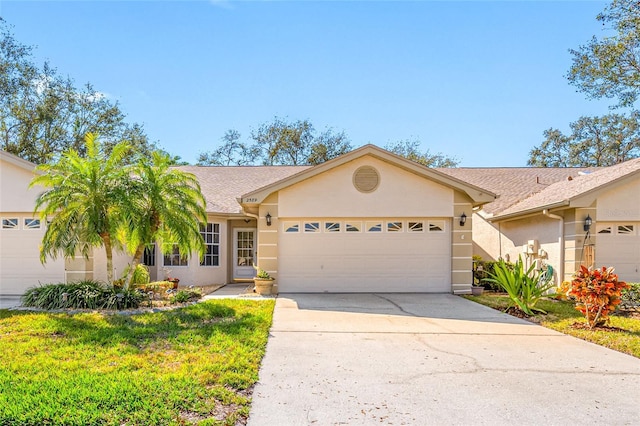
564	217
367	221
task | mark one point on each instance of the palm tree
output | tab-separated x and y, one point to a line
168	208
86	201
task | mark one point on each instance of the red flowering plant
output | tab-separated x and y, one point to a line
597	292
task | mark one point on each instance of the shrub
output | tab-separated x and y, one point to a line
86	294
121	299
597	293
484	269
185	295
631	296
140	275
562	291
262	274
524	287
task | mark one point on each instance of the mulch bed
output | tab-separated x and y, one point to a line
584	326
515	312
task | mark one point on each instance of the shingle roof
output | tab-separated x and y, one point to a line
520	189
222	185
566	190
512	184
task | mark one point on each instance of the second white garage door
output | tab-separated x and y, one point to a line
341	255
618	245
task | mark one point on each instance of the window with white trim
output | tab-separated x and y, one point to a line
416	227
332	227
291	226
211	235
30	223
602	229
10	223
626	230
312	227
394	226
374	227
353	226
174	258
436	226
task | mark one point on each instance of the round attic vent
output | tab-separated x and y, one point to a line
366	179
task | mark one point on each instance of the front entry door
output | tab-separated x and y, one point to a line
244	243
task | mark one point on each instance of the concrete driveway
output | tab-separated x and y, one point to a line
9	301
417	359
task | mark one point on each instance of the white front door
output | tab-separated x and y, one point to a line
244	243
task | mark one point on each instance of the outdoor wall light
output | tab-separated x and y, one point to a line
463	219
587	223
268	218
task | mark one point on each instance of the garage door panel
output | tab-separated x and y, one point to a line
364	262
20	266
622	251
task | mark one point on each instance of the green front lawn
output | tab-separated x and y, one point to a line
562	316
191	365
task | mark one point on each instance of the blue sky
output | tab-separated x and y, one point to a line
479	81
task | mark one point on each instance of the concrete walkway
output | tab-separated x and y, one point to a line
9	301
432	360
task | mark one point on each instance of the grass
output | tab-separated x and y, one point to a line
562	316
190	365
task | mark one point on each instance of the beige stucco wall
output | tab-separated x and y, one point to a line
399	194
268	236
621	203
575	238
486	238
461	246
507	239
14	187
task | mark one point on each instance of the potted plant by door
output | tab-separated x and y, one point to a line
477	290
263	282
478	276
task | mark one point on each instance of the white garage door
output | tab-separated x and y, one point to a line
337	255
20	266
618	245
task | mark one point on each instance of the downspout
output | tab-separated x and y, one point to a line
562	248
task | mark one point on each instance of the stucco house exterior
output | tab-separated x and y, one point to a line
563	217
21	231
368	221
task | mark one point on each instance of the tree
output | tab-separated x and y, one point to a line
555	150
278	143
410	149
609	67
43	114
231	153
283	143
86	201
594	142
328	145
167	207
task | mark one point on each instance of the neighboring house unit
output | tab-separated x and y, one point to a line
541	215
368	221
20	231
